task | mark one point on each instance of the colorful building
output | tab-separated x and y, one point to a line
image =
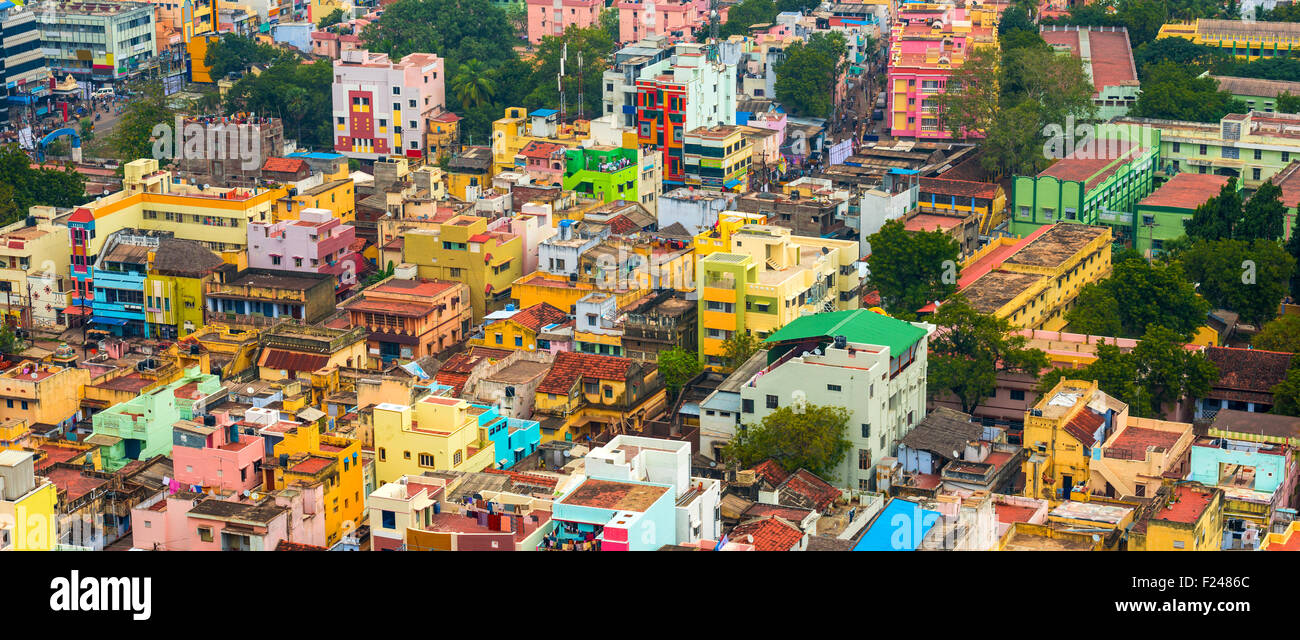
639	19
261	296
1244	39
584	394
1034	281
681	94
1161	216
717	157
512	329
552	17
944	196
1137	456
317	242
607	173
211	452
512	439
519	128
42	396
1252	147
767	279
436	433
28	504
1061	429
1107	60
367	84
305	456
1190	518
1258	94
409	319
174	287
33	276
335	195
463	250
141	428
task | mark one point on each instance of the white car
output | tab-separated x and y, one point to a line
101	92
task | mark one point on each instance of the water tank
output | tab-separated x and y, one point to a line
841	342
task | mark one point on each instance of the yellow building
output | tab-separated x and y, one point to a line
513	132
336	196
33	275
557	291
42	395
1034	281
470	173
1059	431
216	217
174	286
14	433
197	45
463	250
945	196
442	137
1190	518
333	461
1248	40
719	237
768	278
233	350
28	505
519	329
436	434
585	394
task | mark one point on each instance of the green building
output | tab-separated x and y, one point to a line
1098	181
608	173
1160	216
1252	146
1258	94
141	427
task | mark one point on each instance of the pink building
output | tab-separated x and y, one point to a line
925	45
212	453
186	521
533	225
381	107
316	242
542	161
552	17
639	19
332	45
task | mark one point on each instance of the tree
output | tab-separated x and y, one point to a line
737	349
1180	51
1293	249
677	366
1264	215
609	22
1013	145
806	79
296	93
1280	334
131	138
1136	295
1175	92
1216	218
1250	278
9	342
909	268
969	104
234	53
1016	18
458	30
1286	394
749	12
1169	372
970	348
23	187
1287	103
1273	68
596	47
813	439
332	18
474	84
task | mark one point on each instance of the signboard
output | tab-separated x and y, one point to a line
173	83
841	151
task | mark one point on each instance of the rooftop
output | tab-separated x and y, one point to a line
1186	191
1081	166
1185	505
1061	242
612	495
995	289
1107	52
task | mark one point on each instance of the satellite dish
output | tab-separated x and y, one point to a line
1096	538
956	455
251	391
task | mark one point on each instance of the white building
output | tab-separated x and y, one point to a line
634	458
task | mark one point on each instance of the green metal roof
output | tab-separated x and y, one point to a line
858	325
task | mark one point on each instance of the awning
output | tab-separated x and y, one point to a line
76	310
731	184
116	322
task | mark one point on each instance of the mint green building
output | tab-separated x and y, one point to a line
1160	216
1253	147
1097	182
608	173
1258	94
141	427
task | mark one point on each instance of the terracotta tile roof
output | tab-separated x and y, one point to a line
772	533
622	225
284	165
539	149
1083	425
1186	191
281	359
540	315
962	188
570	366
1248	369
285	545
804	489
771	472
759	510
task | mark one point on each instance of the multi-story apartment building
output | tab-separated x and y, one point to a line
28	504
873	365
518	128
717	157
120	37
926	42
1250	40
317	242
43	396
620	79
463	250
678	19
436	434
766	280
367	84
687	91
608	173
807	206
23	69
409	318
178	272
33	275
120	272
552	17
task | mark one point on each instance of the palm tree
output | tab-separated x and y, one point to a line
474	84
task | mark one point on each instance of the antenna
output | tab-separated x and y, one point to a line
564	54
580	91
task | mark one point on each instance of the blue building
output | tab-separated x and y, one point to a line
901	526
119	275
514	439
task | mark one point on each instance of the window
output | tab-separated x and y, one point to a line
406	455
746	406
205	534
590	388
1017	394
1254	174
832	387
1179	544
519	341
1177	146
772	402
388	518
864	459
1259	154
383	455
609	391
455	458
500	339
426	460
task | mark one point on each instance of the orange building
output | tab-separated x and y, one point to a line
411	318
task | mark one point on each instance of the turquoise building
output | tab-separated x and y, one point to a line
141	427
514	439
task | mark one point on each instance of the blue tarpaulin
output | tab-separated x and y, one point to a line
900	527
117	322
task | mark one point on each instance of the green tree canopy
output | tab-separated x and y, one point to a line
1116	373
909	268
596	48
1216	218
1250	278
813	439
1179	51
738	348
22	187
1286	394
746	14
1280	334
332	18
131	138
1174	91
970	348
457	30
296	93
1136	295
234	53
1273	68
676	367
806	78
